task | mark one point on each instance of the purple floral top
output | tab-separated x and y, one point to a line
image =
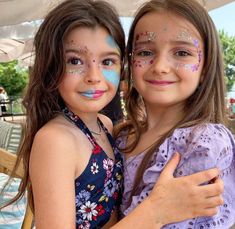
201	147
98	188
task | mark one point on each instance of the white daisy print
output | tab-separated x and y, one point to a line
88	210
94	168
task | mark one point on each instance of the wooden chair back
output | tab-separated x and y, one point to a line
7	162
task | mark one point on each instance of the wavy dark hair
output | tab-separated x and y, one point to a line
42	100
206	104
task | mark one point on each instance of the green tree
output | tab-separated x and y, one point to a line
13	78
228	45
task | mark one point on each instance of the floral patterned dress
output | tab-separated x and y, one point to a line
98	188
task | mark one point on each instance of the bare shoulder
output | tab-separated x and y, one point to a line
54	147
52	169
56	134
107	122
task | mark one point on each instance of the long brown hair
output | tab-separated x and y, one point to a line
42	100
206	104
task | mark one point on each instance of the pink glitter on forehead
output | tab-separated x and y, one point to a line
150	35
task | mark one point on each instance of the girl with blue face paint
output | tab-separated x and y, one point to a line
73	170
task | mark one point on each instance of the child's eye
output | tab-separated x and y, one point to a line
74	61
108	62
144	53
182	53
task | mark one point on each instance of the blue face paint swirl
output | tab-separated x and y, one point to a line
111	42
112	76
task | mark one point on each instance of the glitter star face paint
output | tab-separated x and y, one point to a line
143	55
92	69
167	56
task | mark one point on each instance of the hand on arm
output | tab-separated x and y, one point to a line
176	199
182	198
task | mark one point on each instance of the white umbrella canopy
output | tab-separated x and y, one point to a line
26	59
128	7
17	11
14	12
11	49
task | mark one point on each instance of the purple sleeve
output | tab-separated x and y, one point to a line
208	147
201	148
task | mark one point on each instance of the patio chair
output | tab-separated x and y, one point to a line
7	161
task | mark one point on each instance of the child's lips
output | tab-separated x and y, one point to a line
93	93
160	82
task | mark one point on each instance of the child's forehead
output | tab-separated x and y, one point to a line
88	40
162	24
85	38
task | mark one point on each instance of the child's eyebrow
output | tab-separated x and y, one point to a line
147	42
82	51
111	53
174	42
77	51
183	42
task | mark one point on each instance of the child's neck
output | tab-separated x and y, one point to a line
90	119
160	121
163	118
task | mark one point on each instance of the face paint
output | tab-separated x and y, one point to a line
149	36
112	76
111	42
88	94
93	94
74	55
184	35
75	71
142	63
144	52
138	55
190	67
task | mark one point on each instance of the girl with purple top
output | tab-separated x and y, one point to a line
175	102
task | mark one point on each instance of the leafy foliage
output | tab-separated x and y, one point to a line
13	78
228	45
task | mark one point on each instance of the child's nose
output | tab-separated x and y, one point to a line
161	64
94	74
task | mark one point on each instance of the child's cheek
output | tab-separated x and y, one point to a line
112	76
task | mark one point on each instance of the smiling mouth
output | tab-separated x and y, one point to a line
160	82
93	94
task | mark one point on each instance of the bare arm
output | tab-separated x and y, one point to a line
52	171
176	199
